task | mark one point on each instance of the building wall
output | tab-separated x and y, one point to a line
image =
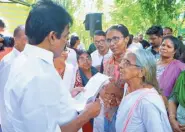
13	15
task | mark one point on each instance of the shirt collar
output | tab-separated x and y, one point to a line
16	51
153	51
39	52
109	52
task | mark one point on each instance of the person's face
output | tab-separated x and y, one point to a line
1	29
85	61
155	40
140	37
167	32
167	49
100	44
128	67
116	41
20	40
57	45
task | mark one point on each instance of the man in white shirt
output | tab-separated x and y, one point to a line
103	52
20	41
34	96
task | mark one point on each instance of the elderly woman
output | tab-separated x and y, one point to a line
168	67
142	99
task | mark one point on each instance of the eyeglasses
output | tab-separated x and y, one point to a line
114	40
100	42
127	63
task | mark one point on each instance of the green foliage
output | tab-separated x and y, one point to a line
138	15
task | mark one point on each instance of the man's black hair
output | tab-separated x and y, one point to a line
99	33
46	16
155	30
73	41
169	28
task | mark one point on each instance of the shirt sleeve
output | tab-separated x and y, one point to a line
67	110
41	105
151	117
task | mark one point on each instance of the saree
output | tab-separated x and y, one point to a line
135	110
169	76
179	89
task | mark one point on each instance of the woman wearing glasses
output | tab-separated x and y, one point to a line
84	73
142	108
117	38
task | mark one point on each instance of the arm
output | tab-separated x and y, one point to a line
91	111
172	109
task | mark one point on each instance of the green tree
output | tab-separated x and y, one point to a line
138	15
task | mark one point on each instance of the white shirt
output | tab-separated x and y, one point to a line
72	57
81	46
97	58
135	46
5	64
69	76
35	98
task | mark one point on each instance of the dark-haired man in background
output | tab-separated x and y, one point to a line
102	52
155	35
35	99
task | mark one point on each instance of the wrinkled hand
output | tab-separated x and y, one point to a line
111	95
175	125
182	127
75	91
93	108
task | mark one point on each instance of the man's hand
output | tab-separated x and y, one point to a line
75	91
93	108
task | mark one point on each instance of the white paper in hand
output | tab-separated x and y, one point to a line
92	89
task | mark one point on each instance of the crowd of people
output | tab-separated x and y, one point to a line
42	71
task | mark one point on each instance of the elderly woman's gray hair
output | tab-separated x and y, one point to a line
146	61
